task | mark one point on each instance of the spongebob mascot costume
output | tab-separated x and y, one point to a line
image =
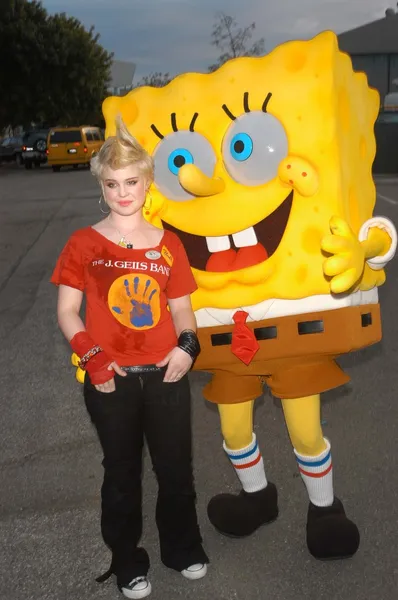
264	170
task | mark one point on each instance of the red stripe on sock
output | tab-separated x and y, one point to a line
316	474
250	464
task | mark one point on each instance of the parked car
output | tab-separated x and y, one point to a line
11	150
73	146
388	117
34	148
391	102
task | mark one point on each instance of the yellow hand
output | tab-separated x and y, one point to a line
80	374
346	265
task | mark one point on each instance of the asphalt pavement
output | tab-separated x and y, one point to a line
50	460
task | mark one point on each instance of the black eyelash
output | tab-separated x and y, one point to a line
174	125
225	109
156	131
192	124
246	102
228	112
246	105
265	103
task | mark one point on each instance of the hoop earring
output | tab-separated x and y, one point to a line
148	207
104	212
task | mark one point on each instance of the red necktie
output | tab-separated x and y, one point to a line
244	344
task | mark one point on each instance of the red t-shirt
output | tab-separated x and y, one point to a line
126	292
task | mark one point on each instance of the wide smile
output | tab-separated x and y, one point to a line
240	250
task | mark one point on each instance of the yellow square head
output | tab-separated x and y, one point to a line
251	163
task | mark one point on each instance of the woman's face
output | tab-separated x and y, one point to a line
124	189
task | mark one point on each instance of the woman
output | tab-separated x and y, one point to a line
136	347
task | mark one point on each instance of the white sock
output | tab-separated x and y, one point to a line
249	466
317	474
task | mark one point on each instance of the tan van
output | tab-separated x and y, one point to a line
73	146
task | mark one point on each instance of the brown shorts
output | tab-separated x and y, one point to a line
296	357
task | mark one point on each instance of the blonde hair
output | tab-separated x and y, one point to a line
122	150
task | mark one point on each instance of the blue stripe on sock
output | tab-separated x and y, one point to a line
318	463
246	455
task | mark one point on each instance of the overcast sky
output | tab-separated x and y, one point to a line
174	35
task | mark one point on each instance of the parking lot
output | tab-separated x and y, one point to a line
50	465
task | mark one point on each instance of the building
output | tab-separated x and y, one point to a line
373	49
122	75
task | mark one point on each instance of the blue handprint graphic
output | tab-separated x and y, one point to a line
135	304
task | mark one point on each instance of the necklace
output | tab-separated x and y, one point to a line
123	242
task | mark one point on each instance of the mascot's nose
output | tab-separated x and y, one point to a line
195	182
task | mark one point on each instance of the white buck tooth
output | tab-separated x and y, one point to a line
244	238
218	244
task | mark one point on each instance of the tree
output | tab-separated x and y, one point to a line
78	75
233	41
53	70
157	79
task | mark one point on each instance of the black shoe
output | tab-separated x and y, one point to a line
330	534
240	515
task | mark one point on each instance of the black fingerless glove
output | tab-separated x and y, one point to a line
188	341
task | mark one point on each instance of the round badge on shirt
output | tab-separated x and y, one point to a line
153	254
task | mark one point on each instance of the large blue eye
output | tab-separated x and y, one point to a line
178	158
241	146
253	147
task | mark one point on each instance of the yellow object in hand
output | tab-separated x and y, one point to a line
80	374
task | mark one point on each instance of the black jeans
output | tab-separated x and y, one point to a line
143	405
